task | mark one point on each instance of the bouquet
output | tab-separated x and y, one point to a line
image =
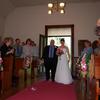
59	52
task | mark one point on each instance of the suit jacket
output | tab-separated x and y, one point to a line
46	53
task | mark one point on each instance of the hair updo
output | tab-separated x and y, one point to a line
62	40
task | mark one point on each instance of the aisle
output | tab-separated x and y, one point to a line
46	91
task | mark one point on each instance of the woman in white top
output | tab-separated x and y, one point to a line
27	49
27	53
63	73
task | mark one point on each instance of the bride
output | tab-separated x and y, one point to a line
63	74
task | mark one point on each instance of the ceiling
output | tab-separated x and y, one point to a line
20	3
6	6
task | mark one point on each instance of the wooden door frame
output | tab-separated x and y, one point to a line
41	37
72	36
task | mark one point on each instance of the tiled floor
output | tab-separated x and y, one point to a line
81	94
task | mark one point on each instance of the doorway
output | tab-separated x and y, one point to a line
56	32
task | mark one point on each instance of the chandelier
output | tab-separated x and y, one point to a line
56	7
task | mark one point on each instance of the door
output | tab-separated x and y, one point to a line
42	44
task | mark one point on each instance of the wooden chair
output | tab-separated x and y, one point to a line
18	65
97	75
7	73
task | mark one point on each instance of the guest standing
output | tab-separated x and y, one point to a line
18	48
27	49
87	48
96	48
6	48
27	54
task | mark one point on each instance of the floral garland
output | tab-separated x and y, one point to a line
84	65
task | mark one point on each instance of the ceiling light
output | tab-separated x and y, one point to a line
62	11
56	7
50	5
49	12
62	4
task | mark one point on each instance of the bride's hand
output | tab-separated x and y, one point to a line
57	53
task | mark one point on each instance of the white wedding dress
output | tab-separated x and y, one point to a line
63	73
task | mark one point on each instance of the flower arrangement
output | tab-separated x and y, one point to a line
27	62
84	64
59	52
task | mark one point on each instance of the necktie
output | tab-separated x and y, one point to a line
51	51
18	51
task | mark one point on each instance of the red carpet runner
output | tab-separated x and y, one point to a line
46	91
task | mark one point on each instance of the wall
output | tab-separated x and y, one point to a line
2	25
29	22
5	8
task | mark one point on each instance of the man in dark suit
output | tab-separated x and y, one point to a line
50	60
